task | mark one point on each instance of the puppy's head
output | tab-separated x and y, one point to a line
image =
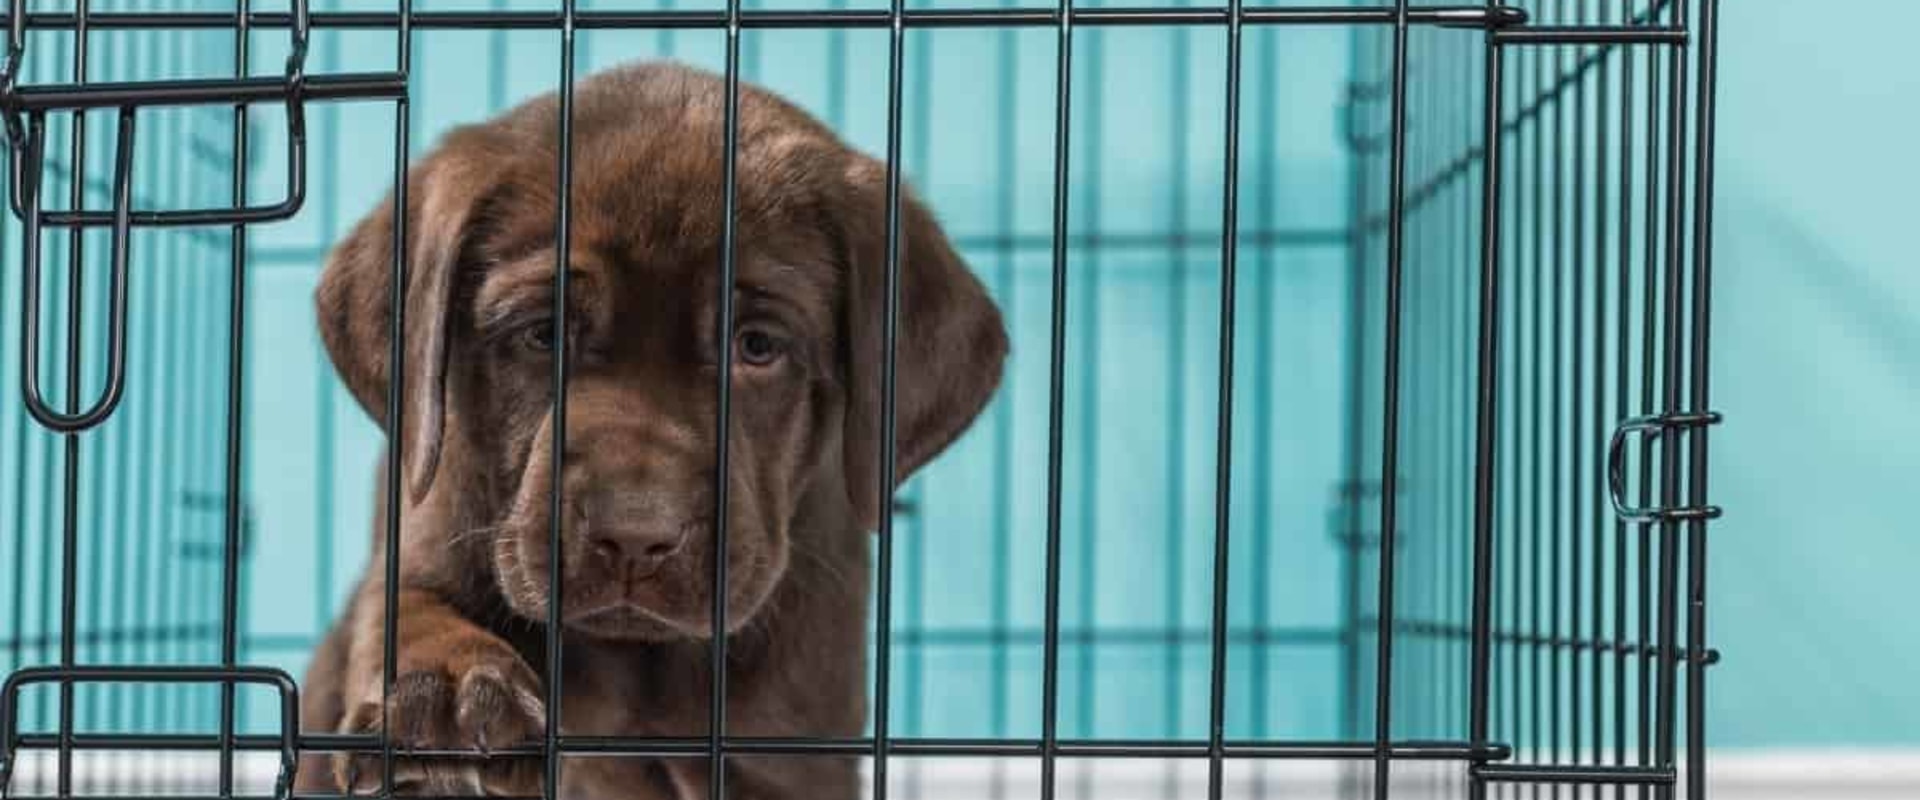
477	428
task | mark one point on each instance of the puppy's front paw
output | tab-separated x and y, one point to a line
483	697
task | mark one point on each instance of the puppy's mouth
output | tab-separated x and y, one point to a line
627	619
631	607
671	603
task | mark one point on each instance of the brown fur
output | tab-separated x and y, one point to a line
477	436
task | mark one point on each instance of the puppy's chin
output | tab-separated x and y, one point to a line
672	606
630	622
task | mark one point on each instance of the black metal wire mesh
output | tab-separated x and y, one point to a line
1538	296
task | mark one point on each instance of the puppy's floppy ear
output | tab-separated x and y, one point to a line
950	341
445	191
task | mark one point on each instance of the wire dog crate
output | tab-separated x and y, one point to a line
1353	442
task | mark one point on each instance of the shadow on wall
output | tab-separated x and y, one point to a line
1817	366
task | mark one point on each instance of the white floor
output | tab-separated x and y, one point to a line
1734	775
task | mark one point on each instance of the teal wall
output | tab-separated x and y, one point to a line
1817	365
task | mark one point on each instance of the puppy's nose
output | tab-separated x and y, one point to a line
638	553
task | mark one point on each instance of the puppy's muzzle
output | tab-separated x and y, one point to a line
632	534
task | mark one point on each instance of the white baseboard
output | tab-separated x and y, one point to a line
1890	774
1839	774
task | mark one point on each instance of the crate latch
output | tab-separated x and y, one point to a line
1655	426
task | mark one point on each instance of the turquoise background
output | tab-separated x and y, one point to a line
1816	348
1817	365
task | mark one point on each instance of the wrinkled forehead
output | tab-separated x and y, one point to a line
652	182
648	198
658	260
672	265
632	297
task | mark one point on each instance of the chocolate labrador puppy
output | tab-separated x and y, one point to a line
637	544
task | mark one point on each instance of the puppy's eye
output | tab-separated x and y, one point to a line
756	346
538	337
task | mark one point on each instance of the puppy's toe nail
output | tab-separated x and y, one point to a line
361	781
365	718
531	706
534	710
493	705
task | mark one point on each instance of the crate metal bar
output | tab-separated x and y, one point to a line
1673	262
1589	35
1554	276
1539	774
151	533
1516	440
723	416
204	91
1486	414
114	708
1623	398
175	797
699	747
1538	264
1707	78
70	443
557	446
234	519
1453	223
889	366
174	452
396	397
1223	443
70	440
1390	403
1493	16
1575	190
1056	401
1649	330
1597	522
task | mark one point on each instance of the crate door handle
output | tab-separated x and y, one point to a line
1656	426
109	399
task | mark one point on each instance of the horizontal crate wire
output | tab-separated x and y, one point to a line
1352	443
